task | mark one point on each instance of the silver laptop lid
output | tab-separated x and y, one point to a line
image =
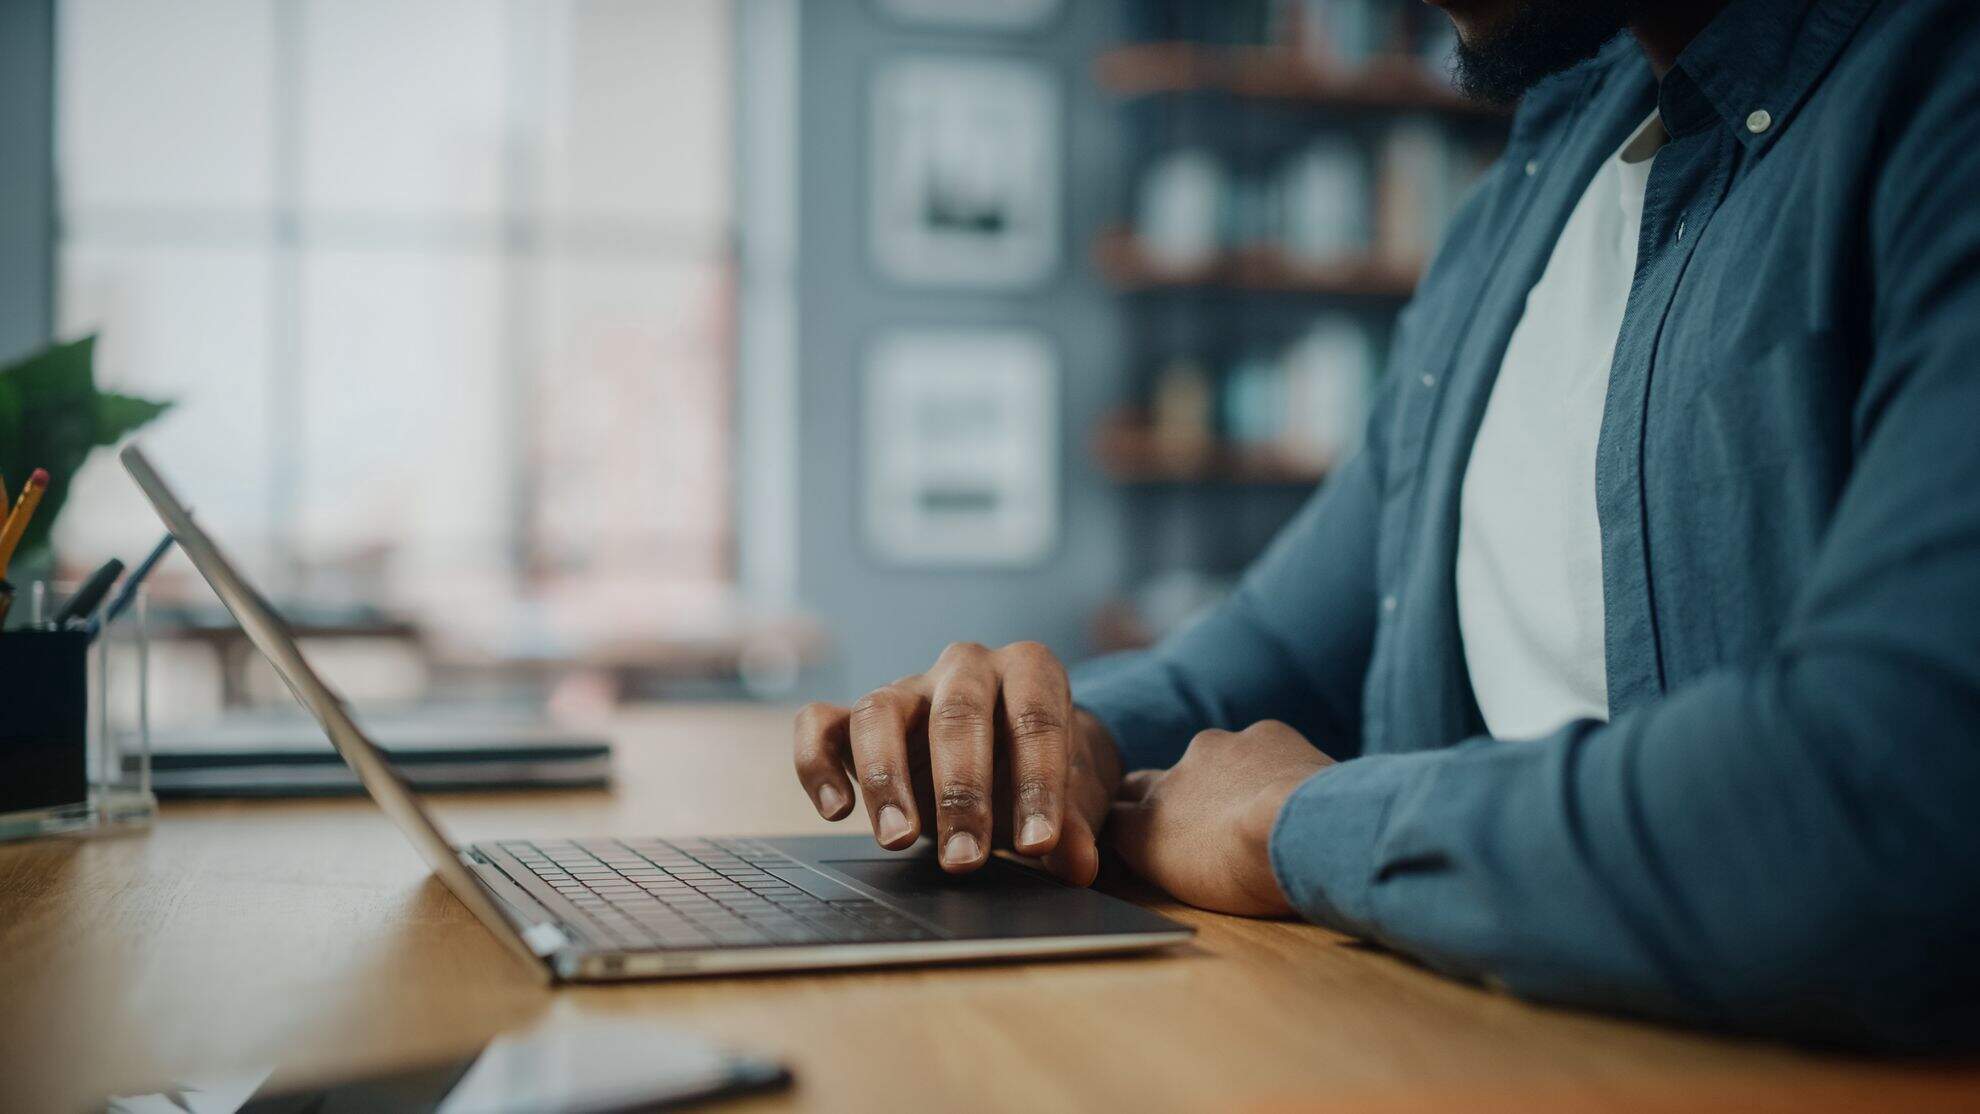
381	781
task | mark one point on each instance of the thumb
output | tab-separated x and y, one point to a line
1076	858
1131	829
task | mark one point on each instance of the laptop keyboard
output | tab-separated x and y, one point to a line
655	894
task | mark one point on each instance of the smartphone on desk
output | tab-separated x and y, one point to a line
570	1066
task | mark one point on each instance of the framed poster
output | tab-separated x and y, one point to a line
962	447
965	172
981	15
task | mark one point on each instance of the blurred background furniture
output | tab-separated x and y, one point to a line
556	352
1286	170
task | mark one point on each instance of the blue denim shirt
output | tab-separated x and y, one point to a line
1779	827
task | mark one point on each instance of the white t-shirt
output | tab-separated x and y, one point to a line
1529	563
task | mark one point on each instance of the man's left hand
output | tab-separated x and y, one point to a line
1202	828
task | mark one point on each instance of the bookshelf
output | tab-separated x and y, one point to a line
1287	167
1127	267
1131	451
1388	84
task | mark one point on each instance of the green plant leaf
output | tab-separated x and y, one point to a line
117	415
10	433
51	416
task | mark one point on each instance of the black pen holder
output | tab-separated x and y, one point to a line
44	725
74	734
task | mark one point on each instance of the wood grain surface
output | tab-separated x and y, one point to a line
308	935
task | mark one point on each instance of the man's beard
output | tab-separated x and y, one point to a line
1540	38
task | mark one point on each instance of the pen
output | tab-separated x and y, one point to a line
132	582
84	603
17	520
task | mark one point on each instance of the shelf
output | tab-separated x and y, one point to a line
1115	627
1126	266
1130	452
1398	83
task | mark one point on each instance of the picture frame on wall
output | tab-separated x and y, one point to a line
965	177
976	15
962	447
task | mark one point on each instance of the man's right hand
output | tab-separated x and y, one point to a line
987	744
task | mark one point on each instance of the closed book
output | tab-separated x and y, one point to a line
263	755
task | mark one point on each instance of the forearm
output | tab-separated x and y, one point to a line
1784	851
1291	643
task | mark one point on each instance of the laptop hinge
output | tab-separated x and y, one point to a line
545	939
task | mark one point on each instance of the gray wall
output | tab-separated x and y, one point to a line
885	620
27	179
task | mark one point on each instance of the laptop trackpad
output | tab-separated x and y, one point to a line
997	900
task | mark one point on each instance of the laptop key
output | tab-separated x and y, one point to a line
649	894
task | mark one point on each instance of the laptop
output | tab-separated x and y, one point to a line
605	909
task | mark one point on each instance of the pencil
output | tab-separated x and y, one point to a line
17	519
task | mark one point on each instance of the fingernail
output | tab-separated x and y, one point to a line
830	801
1036	831
961	848
893	823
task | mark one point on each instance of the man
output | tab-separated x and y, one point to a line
1635	663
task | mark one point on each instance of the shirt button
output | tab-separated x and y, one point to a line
1429	380
1759	120
1389	603
1532	167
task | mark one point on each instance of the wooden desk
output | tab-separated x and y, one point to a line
307	934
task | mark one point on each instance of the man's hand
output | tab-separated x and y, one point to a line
987	744
1202	829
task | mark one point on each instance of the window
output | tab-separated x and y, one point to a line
443	290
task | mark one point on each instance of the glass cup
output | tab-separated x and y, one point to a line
75	731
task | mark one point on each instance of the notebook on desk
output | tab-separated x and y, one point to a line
278	755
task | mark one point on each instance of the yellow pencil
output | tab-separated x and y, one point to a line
17	519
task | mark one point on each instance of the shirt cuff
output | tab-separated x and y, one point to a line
1324	843
1124	696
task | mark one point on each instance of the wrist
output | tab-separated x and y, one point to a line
1260	816
1257	822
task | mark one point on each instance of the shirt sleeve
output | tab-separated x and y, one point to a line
1791	846
1291	642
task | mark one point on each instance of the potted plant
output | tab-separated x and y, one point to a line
52	416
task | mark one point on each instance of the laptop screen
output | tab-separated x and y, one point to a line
270	635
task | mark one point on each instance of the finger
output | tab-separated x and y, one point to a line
879	729
822	752
1037	706
1135	786
962	753
1076	857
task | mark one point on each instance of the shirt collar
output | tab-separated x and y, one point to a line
1752	66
